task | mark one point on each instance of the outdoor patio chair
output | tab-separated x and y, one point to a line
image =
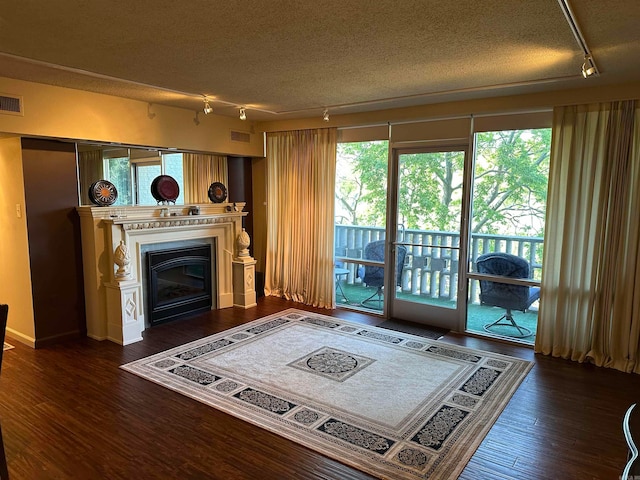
504	295
374	276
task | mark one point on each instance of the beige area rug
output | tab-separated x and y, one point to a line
392	404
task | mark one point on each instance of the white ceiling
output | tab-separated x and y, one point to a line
294	58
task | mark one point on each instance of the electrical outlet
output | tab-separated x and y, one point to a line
18	210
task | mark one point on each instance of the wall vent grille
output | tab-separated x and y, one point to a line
10	105
243	137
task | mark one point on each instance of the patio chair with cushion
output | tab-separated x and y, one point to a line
504	295
374	275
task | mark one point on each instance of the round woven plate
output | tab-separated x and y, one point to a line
103	193
217	192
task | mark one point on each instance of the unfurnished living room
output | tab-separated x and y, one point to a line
320	239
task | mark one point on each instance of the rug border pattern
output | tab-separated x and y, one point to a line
489	378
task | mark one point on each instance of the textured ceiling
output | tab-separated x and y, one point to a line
291	59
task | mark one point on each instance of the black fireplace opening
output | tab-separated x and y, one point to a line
178	282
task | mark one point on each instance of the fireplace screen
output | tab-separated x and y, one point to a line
179	282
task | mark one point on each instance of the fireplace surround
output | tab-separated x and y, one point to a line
114	244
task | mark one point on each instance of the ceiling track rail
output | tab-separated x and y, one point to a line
577	33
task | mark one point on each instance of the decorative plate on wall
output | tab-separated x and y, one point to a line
217	192
103	193
165	188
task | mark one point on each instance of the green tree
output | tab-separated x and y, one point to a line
119	173
511	176
510	184
430	191
361	183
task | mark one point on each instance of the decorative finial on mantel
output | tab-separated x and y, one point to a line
122	259
243	241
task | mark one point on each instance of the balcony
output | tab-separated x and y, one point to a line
430	274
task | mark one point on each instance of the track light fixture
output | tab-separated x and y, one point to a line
325	115
207	108
243	114
588	67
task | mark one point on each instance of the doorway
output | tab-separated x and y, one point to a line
427	212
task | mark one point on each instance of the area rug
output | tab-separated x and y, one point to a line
395	405
6	346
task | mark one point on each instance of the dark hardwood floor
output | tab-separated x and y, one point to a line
68	411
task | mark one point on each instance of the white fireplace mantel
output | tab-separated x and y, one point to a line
112	249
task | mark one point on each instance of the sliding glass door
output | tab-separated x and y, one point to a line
429	244
447	211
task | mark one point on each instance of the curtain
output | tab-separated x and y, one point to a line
90	168
301	168
590	297
200	171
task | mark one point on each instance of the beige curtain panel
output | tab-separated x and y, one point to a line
590	298
301	170
200	171
90	167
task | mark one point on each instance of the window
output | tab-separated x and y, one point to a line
360	215
510	178
133	170
118	172
144	173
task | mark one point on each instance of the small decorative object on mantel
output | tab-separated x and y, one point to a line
243	241
194	210
217	192
122	259
103	193
165	189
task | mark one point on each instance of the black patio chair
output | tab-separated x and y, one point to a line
374	276
504	295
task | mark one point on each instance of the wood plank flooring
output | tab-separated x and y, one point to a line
68	412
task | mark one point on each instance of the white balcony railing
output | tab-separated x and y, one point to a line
432	271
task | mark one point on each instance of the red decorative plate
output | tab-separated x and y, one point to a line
165	188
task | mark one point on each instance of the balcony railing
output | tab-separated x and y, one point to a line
431	271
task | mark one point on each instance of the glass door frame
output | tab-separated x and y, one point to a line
453	319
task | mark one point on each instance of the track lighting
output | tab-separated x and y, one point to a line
325	115
207	108
588	67
243	114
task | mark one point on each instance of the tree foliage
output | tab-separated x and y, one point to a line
511	176
361	183
510	184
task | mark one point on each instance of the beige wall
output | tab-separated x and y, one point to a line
15	279
65	113
478	107
57	112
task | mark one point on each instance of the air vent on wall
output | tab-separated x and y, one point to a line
240	137
10	104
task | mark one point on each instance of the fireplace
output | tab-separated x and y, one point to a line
178	282
115	248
